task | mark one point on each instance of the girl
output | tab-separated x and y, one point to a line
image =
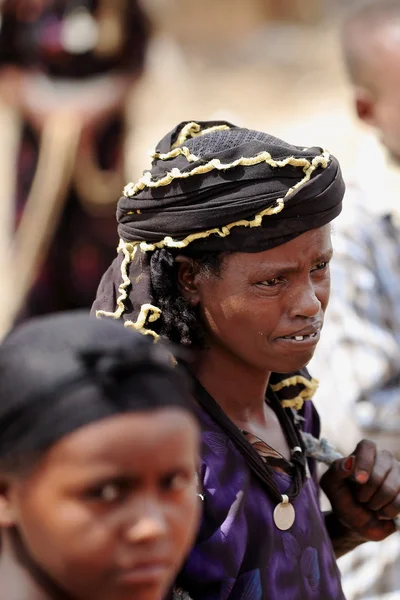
98	454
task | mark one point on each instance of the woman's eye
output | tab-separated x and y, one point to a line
321	266
271	282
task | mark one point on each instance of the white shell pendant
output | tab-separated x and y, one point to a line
284	514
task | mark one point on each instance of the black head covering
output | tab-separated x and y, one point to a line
60	373
215	187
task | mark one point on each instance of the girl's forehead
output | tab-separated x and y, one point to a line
133	445
133	432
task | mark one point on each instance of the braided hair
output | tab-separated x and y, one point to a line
180	321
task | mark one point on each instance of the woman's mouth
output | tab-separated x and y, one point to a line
301	341
301	338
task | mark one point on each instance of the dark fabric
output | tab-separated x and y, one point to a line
239	553
260	469
31	37
219	198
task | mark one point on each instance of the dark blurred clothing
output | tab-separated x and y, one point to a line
33	35
33	38
83	245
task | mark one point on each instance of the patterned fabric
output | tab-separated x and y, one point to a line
239	553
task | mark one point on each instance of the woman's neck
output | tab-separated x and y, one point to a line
237	387
19	579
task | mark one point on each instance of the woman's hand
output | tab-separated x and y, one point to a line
364	491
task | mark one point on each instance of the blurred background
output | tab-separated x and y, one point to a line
115	75
87	88
271	65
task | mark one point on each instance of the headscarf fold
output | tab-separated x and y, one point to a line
214	187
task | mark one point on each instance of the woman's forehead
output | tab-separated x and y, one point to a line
314	245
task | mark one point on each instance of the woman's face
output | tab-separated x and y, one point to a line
266	310
111	510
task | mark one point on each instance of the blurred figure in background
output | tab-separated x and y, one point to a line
67	70
358	359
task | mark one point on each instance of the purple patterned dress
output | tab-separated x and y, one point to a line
240	554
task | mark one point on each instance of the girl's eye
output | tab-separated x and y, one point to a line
107	493
110	492
177	481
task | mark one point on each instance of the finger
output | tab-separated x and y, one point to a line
344	503
365	455
333	481
384	464
392	510
342	468
386	493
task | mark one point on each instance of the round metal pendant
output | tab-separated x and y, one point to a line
284	514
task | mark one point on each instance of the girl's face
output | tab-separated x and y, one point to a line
111	510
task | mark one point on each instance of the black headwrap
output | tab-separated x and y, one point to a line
214	187
60	373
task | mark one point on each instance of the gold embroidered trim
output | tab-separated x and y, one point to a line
191	130
310	387
129	251
308	167
147	312
182	151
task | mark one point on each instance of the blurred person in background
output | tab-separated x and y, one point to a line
363	329
67	71
358	359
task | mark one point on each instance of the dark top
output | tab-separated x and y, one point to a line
240	554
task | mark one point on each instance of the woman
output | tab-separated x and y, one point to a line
98	457
225	248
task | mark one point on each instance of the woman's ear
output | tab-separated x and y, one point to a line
365	105
6	511
188	270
